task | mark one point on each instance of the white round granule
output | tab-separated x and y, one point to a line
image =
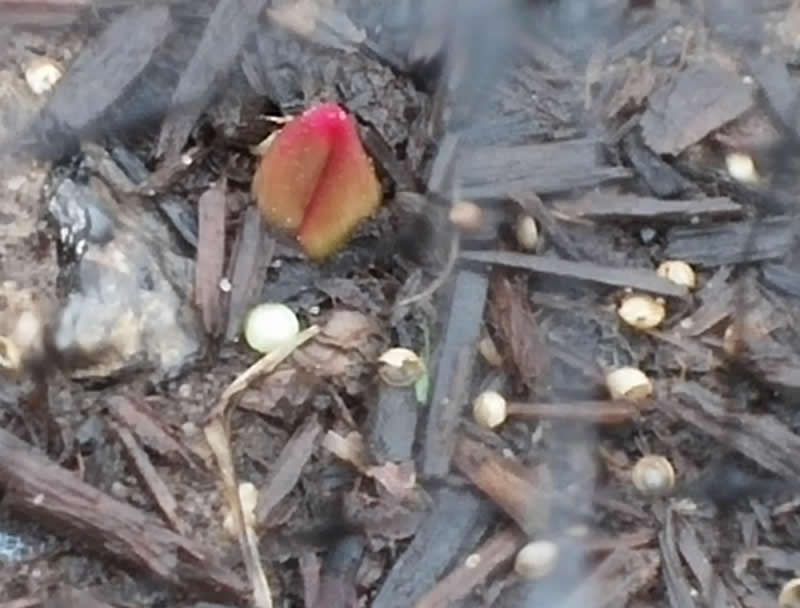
653	475
489	409
741	167
628	383
42	74
536	560
678	272
526	232
269	325
642	311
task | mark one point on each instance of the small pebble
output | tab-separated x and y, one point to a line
15	183
647	235
42	74
119	490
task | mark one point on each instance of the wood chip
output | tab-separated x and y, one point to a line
265	365
604	206
499	549
701	99
643	37
250	260
522	343
100	76
399	479
309	565
217	437
782	276
635	278
588	412
67	597
59	501
229	26
761	437
718	304
640	80
497	171
620	576
453	526
453	370
42	13
151	430
337	585
531	203
286	470
524	494
713	589
392	424
733	242
210	263
680	592
152	480
660	177
776	81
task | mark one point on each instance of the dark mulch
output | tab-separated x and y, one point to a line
610	123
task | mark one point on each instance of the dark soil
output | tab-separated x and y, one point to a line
609	122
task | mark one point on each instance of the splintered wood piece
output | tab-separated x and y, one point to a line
66	597
779	88
100	75
660	177
760	437
496	171
392	424
732	243
589	412
679	590
265	365
252	255
217	436
713	588
453	370
43	491
42	13
337	584
612	542
617	579
287	469
383	155
782	276
497	550
455	523
636	278
228	27
642	37
522	343
210	263
717	305
524	495
155	484
701	99
531	203
611	207
309	566
150	429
